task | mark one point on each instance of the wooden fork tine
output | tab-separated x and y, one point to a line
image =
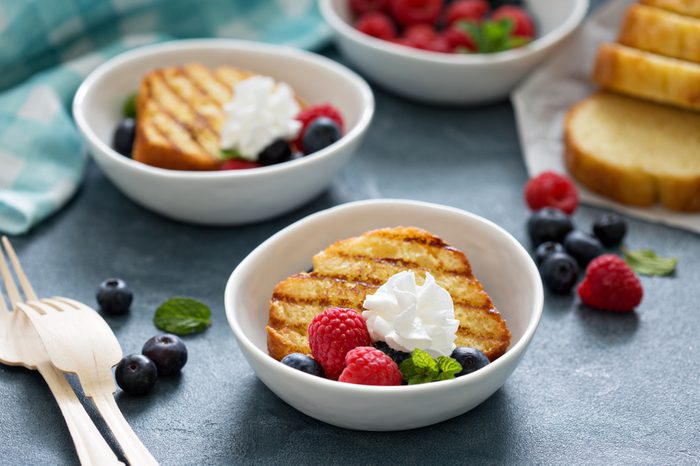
26	286
10	286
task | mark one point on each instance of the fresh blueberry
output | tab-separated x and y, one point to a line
471	359
545	250
559	272
322	132
582	247
277	152
123	139
548	225
168	352
498	3
396	355
136	374
304	363
114	297
610	229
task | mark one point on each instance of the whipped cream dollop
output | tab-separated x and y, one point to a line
407	316
260	112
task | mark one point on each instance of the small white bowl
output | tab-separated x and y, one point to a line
222	197
451	78
498	260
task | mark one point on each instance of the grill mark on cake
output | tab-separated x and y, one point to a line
405	263
314	301
224	84
432	241
197	85
154	124
197	116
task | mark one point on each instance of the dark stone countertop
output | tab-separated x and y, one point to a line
595	388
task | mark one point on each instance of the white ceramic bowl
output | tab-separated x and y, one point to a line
449	78
498	260
222	197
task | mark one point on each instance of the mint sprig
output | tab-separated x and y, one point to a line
422	368
129	106
647	262
182	316
493	36
229	154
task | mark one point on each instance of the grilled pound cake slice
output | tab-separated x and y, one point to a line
647	75
660	31
180	115
635	152
347	271
683	7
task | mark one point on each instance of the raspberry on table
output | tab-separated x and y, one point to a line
551	189
610	285
309	114
467	10
523	25
366	365
409	12
332	334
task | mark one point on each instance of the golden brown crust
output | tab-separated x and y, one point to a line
683	7
649	76
662	32
636	187
348	270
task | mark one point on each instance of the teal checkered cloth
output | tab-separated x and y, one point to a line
47	47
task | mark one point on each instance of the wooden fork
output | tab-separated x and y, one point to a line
78	340
20	345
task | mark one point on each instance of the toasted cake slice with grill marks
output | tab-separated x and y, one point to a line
180	115
346	272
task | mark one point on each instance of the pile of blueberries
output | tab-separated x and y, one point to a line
561	251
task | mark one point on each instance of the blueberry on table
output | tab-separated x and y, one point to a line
559	272
123	139
548	225
582	247
168	352
136	374
114	297
545	250
610	229
304	363
321	133
277	152
471	359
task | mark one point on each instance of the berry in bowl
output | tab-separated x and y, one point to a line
389	316
222	132
461	52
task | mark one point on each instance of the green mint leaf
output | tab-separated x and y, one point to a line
518	41
448	367
474	31
129	106
647	262
229	154
182	316
423	360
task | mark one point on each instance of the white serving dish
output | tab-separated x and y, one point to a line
498	260
222	197
450	78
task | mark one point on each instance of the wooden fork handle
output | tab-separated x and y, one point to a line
135	451
91	446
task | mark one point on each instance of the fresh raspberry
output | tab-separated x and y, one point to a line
369	366
467	10
237	164
551	189
312	112
360	7
420	33
332	334
409	12
439	44
523	25
376	24
459	39
611	285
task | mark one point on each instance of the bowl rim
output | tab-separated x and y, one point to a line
510	357
540	43
82	121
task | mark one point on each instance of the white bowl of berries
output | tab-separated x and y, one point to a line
461	52
370	396
213	136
